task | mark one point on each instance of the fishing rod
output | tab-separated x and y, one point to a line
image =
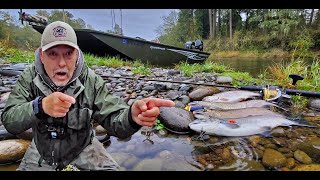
266	91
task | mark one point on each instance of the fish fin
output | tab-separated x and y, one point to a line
267	132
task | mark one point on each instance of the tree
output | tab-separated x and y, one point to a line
214	17
230	23
43	13
201	17
210	23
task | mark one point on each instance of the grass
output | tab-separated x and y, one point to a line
279	74
208	67
13	55
250	54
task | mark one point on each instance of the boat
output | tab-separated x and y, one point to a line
107	44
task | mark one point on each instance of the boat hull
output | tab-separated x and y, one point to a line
106	44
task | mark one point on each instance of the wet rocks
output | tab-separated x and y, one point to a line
273	159
309	167
224	79
302	157
176	119
315	104
12	150
201	92
100	130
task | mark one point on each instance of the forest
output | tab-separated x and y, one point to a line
253	30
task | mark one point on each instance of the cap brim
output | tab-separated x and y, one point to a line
55	43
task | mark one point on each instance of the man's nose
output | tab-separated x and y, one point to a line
62	61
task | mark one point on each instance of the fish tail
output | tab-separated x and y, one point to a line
307	125
276	105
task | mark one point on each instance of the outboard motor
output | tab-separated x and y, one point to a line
198	44
189	45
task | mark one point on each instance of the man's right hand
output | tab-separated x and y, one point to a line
57	104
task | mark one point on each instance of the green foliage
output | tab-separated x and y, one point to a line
141	70
300	101
240	78
158	125
209	67
280	72
13	55
25	37
301	45
105	61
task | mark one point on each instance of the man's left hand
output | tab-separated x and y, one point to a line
145	111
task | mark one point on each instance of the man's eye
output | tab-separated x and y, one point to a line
52	53
69	53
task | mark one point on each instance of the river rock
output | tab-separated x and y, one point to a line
273	159
179	104
160	86
149	165
315	104
184	99
100	130
309	167
173	72
177	165
173	95
176	119
126	160
4	134
302	157
310	150
185	87
12	150
290	163
224	79
26	135
201	92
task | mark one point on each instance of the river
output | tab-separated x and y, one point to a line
253	66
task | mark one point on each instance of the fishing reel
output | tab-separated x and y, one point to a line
271	93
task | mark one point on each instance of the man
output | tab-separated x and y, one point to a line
58	96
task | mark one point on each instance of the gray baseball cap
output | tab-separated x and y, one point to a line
57	33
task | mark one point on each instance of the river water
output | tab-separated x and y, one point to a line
253	66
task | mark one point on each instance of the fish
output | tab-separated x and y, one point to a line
247	126
231	96
237	105
237	113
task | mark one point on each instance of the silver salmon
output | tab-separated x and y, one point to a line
231	96
229	106
241	126
236	113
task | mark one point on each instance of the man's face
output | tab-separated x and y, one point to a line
59	63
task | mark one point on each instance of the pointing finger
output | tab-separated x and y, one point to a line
65	97
159	102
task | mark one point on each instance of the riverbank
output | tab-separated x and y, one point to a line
254	54
289	149
271	54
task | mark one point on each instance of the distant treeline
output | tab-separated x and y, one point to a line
243	29
221	29
16	35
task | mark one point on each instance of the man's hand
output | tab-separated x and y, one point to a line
57	104
145	111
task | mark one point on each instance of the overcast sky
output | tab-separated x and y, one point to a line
135	22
